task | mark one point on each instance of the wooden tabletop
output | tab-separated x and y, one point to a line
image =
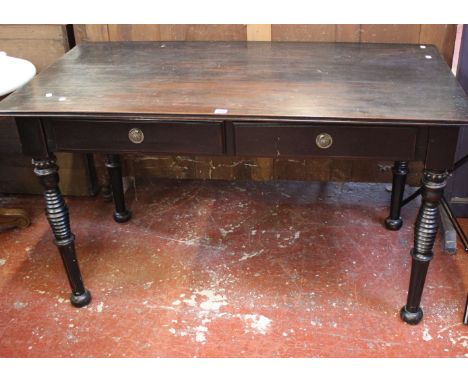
319	81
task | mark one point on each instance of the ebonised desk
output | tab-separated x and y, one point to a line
393	102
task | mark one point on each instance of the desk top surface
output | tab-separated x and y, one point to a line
290	80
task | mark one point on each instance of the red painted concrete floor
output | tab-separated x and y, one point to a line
223	269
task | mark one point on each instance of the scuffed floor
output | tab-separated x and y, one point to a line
228	269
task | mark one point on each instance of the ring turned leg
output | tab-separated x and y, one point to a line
400	170
425	232
57	215
114	167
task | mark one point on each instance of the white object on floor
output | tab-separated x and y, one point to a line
14	73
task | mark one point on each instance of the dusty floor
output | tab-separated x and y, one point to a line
223	269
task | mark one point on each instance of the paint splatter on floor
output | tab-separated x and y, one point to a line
226	269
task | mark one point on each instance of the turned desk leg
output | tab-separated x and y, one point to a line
425	231
114	167
400	170
57	215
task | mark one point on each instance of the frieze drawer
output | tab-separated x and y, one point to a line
271	139
129	136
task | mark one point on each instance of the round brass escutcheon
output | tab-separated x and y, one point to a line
136	135
324	140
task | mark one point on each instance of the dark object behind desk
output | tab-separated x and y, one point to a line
457	189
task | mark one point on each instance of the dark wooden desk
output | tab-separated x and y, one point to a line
394	102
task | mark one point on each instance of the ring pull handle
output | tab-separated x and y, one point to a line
324	140
136	136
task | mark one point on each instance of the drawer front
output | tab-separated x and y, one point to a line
152	136
302	140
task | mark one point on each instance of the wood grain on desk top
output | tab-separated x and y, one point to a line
322	81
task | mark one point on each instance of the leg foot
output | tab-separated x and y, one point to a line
121	214
393	224
411	318
80	300
122	217
400	170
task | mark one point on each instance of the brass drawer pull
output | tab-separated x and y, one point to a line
136	135
324	140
